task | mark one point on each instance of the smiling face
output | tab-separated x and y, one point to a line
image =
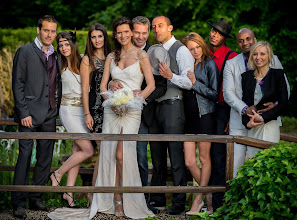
195	49
123	34
162	30
245	40
140	34
64	47
261	57
97	39
47	33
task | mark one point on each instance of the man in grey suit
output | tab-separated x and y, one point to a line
232	91
37	91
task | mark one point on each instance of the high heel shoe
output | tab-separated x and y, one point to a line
72	202
201	204
210	211
53	174
120	213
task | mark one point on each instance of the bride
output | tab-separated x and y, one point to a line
118	159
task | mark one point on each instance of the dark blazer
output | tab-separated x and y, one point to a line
30	84
274	89
160	90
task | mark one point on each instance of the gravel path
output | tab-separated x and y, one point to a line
42	215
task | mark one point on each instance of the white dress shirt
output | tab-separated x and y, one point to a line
185	62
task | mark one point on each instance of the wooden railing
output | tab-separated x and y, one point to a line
229	140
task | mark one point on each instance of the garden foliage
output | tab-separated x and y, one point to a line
265	187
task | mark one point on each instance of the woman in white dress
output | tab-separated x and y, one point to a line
260	85
71	112
118	160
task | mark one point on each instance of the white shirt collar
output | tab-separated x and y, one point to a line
169	43
143	46
37	42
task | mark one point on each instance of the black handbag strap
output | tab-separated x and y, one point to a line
223	66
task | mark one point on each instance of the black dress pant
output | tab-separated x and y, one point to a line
170	119
44	154
218	154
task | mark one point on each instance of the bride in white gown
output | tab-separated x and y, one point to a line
118	159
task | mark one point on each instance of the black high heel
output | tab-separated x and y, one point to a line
72	202
53	173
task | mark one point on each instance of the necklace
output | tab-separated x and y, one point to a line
74	76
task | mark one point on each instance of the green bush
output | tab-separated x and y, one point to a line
265	187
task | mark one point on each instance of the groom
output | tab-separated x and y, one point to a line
37	91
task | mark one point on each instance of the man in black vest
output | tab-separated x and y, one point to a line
170	116
37	91
141	30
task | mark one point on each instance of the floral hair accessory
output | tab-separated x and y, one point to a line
261	83
73	35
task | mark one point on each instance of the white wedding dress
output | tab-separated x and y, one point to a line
134	204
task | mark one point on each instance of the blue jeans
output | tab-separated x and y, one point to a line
142	155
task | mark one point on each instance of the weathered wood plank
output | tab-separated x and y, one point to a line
287	137
120	137
12	168
10	121
229	162
139	189
253	142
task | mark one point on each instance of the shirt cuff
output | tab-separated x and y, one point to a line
243	111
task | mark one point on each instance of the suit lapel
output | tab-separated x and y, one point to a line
38	52
241	63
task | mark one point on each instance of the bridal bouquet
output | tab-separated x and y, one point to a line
123	100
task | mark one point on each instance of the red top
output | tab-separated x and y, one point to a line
219	57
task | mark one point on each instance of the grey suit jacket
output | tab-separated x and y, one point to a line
232	91
30	84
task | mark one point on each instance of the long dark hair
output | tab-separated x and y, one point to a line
90	48
119	21
75	57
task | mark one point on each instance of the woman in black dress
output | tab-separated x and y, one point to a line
91	70
199	105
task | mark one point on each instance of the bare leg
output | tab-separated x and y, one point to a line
190	160
119	167
204	157
95	174
82	150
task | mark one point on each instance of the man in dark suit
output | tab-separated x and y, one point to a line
170	116
37	91
141	30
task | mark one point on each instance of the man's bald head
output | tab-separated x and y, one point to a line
245	39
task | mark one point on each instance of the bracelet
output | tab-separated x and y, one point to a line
87	114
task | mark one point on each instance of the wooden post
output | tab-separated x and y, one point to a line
229	162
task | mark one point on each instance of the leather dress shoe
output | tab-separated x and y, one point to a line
158	205
175	210
37	205
19	212
153	209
